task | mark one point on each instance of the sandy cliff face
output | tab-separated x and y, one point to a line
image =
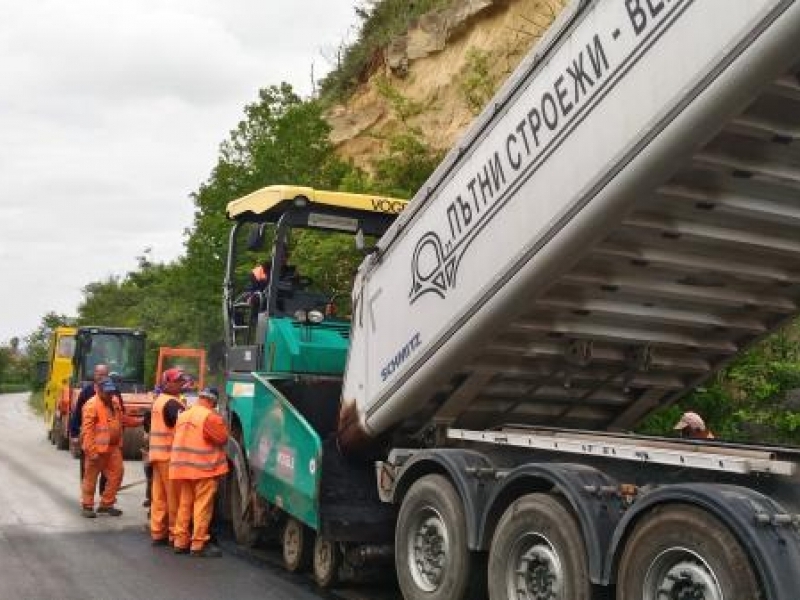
438	68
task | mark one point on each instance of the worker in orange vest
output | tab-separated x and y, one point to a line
198	461
164	415
102	423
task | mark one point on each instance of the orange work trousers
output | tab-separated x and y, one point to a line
163	503
109	464
195	509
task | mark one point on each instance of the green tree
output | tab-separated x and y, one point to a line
5	363
409	160
755	399
282	140
476	82
37	343
407	165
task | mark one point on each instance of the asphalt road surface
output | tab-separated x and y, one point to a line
49	551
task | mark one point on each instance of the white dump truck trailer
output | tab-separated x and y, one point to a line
621	221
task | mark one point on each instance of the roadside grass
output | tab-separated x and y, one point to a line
13	388
36	402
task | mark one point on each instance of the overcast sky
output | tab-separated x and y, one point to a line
111	114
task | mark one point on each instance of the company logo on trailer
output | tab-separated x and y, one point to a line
547	113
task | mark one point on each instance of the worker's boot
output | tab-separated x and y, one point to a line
88	512
208	551
111	511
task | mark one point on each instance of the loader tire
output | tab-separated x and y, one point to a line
50	421
132	443
59	438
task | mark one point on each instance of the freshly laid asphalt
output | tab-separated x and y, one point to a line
49	551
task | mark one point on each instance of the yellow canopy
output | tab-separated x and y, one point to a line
269	203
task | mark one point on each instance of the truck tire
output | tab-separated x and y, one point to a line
297	542
432	559
680	551
327	559
244	532
538	553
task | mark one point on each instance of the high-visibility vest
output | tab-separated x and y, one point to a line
193	456
107	429
161	435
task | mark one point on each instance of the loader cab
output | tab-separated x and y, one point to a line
192	361
123	350
297	319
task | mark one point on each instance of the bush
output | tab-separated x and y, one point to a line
754	400
476	82
36	402
13	388
381	20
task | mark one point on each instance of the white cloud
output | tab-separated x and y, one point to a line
112	114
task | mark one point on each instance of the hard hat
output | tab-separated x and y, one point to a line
172	376
210	393
107	385
691	420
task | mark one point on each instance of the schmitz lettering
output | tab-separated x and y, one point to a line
554	105
402	356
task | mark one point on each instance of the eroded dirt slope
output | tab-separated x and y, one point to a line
443	69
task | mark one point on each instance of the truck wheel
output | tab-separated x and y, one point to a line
680	551
538	553
326	562
432	559
61	441
244	532
297	542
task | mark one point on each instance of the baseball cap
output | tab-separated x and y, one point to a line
173	375
211	393
107	385
691	420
